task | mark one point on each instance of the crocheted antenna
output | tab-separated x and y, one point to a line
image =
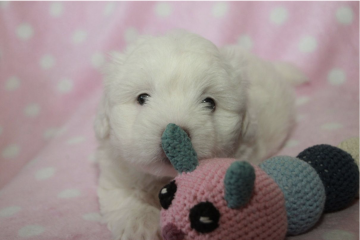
239	184
178	148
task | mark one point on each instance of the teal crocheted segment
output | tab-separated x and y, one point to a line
178	149
239	184
303	190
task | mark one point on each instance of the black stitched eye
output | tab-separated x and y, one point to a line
204	217
210	103
167	194
142	98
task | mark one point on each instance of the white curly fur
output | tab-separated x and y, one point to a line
254	115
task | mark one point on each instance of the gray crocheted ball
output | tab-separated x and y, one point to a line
303	191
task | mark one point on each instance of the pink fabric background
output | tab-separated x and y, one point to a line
50	84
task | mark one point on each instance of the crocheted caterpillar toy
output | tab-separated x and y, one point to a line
227	199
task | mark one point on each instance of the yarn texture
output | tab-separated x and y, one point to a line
222	198
166	194
239	184
338	172
303	190
178	148
263	218
172	232
204	217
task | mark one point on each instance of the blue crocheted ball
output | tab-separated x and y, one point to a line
303	190
338	171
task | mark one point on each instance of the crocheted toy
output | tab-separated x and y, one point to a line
234	200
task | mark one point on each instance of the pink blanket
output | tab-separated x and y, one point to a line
50	84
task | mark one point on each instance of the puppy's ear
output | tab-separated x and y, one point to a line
101	123
110	71
111	68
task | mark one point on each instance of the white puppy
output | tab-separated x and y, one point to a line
231	103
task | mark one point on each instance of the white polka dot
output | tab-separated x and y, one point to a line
279	15
345	15
131	34
61	131
163	9
12	83
245	41
69	193
93	217
1	130
11	151
31	230
338	235
32	110
45	173
307	44
4	4
65	86
50	133
331	126
109	8
291	143
97	60
75	140
79	36
47	61
34	161
53	132
220	9
24	31
299	118
302	100
9	211
92	158
336	76
56	9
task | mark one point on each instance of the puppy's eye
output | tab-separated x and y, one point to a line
210	103
167	194
204	217
142	98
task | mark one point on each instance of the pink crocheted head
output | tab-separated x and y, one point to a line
197	208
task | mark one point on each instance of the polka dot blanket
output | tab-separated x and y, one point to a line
50	84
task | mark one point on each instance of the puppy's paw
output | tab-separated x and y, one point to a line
136	224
